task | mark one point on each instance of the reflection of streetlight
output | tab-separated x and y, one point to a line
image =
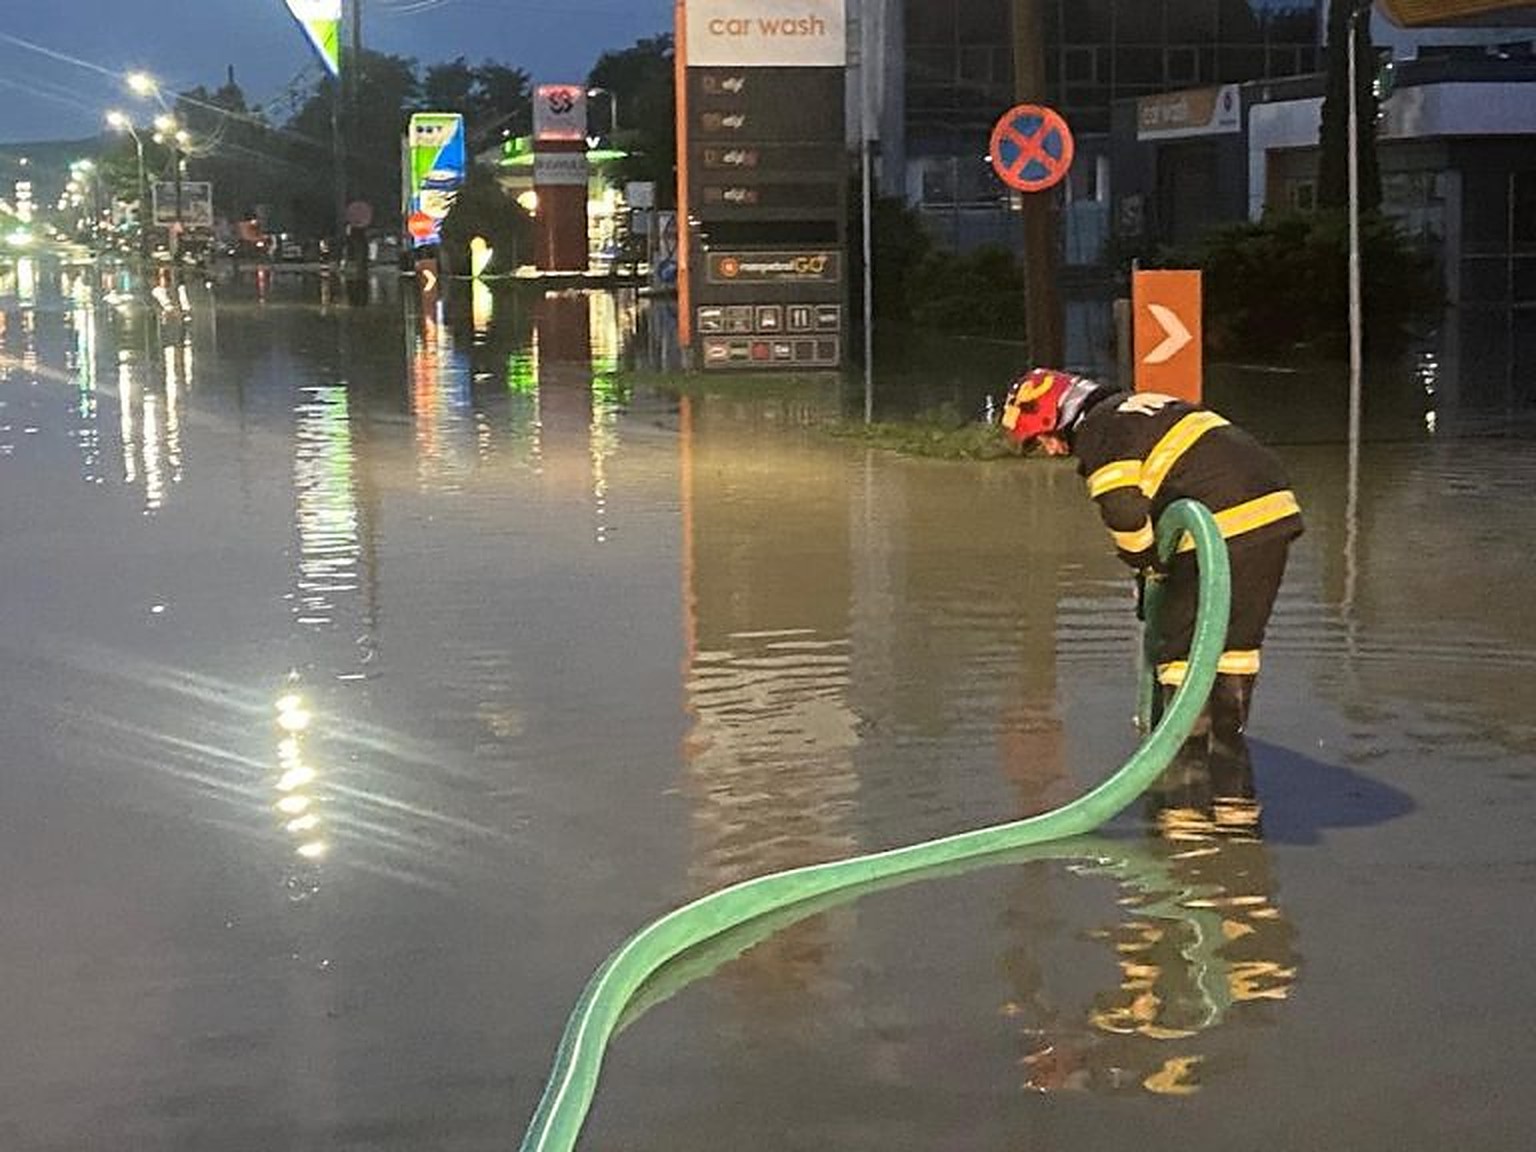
613	110
121	122
142	84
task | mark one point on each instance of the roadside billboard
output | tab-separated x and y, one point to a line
196	203
434	169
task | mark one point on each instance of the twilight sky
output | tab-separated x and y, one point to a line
61	61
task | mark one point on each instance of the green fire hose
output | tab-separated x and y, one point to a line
557	1121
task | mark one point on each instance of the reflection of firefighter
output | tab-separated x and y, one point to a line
1139	452
1203	941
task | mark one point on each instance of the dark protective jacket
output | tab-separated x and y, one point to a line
1140	451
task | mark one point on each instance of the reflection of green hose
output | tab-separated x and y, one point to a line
568	1094
1137	866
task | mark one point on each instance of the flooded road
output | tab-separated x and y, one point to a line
367	681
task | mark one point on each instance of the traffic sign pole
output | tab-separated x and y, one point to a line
1042	300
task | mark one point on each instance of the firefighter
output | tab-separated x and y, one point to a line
1138	453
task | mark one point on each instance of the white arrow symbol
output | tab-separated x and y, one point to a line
1176	335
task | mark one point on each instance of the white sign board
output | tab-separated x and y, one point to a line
640	194
196	203
767	33
559	168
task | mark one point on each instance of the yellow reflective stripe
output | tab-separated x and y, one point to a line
1138	541
1256	513
1239	662
1175	442
1251	514
1116	474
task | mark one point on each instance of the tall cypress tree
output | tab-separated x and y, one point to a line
1333	170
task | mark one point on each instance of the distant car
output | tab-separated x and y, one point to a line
385	249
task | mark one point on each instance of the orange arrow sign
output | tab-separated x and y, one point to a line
1167	336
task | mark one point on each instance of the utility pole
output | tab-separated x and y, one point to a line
122	123
176	174
344	112
1042	302
338	143
352	77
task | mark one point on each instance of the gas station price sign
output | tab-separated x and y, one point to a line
767	180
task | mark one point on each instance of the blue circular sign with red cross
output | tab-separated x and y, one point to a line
1032	147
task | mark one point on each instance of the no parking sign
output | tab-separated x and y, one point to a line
1032	147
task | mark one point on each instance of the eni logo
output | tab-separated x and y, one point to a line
730	267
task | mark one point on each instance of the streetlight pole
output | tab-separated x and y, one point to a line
174	135
1356	323
1356	339
121	122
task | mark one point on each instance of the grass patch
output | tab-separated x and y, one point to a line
933	437
937	433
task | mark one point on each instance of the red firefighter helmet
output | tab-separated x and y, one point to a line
1044	400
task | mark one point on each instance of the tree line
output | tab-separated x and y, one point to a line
281	161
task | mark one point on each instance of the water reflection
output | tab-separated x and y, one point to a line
1201	938
82	364
297	805
149	423
440	403
557	654
326	504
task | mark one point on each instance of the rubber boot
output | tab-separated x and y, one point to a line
1231	697
1235	806
1178	802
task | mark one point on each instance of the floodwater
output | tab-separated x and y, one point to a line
366	682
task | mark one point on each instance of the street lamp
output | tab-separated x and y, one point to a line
143	84
613	110
120	121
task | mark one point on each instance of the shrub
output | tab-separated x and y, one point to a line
977	293
1283	283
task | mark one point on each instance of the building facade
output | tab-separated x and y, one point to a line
1456	148
956	75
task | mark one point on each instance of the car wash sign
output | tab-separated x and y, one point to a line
435	166
766	164
800	33
1195	112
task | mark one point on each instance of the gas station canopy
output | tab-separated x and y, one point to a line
1459	13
